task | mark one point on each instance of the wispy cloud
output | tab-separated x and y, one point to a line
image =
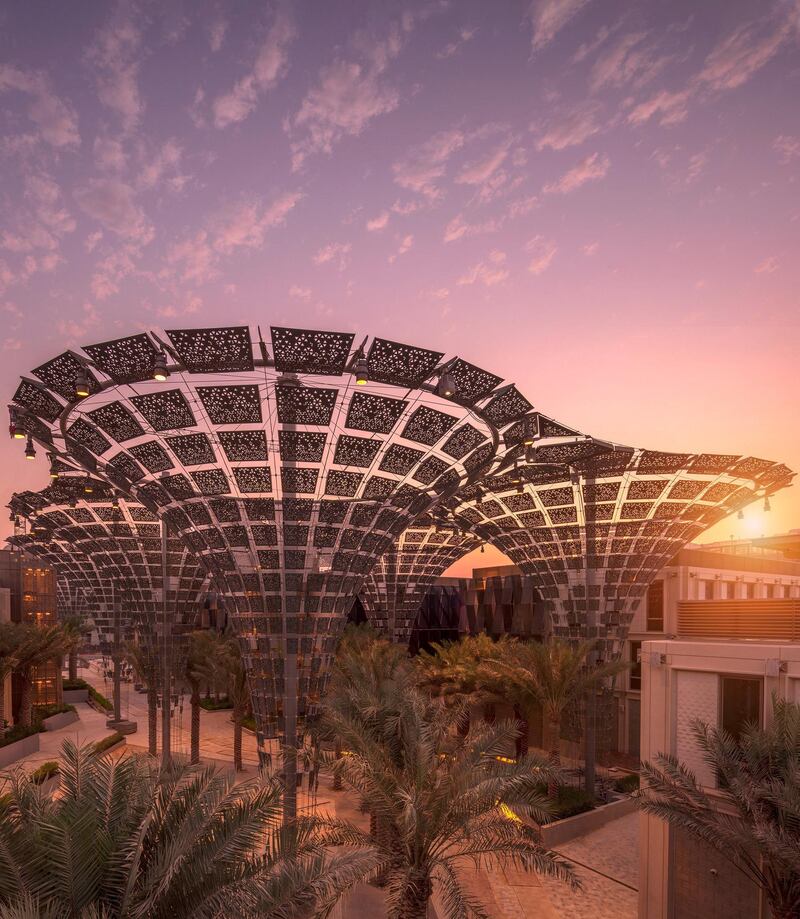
593	167
217	30
542	252
115	58
491	271
337	254
486	174
465	34
743	52
243	225
787	147
421	170
55	118
378	223
459	228
112	203
571	129
348	95
768	265
548	18
405	244
632	59
270	66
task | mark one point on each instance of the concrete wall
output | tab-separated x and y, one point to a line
679	878
14	751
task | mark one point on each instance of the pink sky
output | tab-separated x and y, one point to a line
598	201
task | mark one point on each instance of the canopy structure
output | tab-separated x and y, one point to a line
592	526
405	572
289	468
116	547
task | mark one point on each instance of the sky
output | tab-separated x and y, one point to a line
596	200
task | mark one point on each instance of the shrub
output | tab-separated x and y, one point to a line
249	722
102	745
75	684
215	705
41	712
570	801
18	732
44	772
627	784
99	700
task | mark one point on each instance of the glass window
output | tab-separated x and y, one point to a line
655	607
728	590
636	666
741	703
770	591
706	590
750	591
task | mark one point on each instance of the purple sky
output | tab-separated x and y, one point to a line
597	200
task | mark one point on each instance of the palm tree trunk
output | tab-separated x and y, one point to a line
3	677
554	729
521	742
25	700
152	721
73	664
414	902
337	779
195	729
237	738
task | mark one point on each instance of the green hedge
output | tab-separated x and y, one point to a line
100	700
215	705
102	745
75	684
249	722
18	732
44	772
40	712
569	801
627	784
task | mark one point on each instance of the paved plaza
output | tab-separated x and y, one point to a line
606	860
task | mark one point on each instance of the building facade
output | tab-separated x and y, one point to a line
28	594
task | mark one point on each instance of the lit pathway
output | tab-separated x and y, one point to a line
216	729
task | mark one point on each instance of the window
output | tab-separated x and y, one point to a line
741	703
770	591
728	590
750	591
655	607
706	590
636	666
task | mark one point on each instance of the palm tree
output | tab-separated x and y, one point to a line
146	669
9	640
37	645
444	800
202	666
123	839
753	818
76	628
238	692
553	676
366	663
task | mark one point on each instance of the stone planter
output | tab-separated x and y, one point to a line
71	696
561	831
61	720
14	751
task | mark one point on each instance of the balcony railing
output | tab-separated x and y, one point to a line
770	620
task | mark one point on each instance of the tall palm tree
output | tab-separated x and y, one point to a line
202	667
147	672
76	628
444	799
365	664
238	692
9	640
124	840
551	675
38	645
753	819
